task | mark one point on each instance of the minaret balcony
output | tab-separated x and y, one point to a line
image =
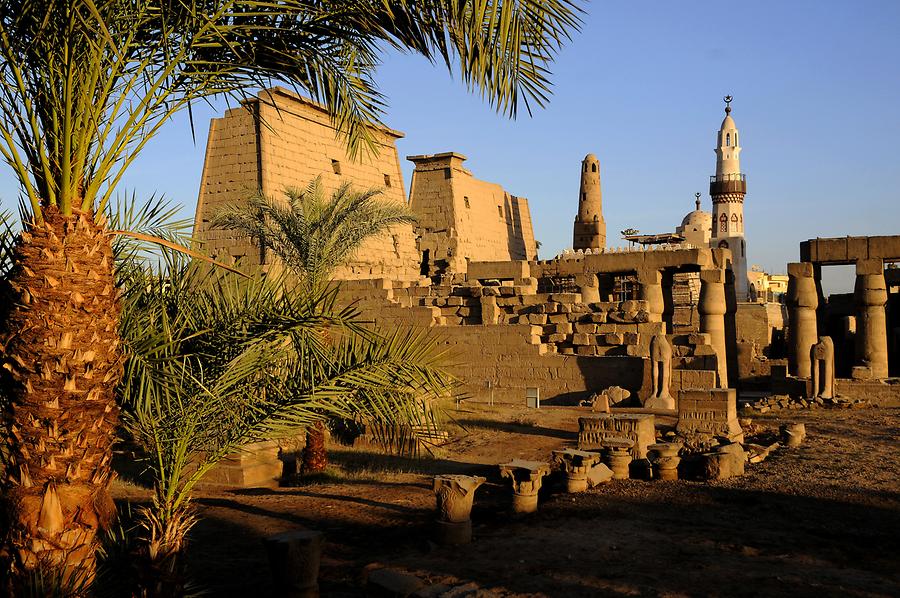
723	184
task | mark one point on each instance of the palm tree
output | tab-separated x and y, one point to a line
84	85
312	234
218	361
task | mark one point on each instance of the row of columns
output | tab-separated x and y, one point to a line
870	297
713	305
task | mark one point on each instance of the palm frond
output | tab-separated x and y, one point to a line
156	217
311	233
85	85
7	241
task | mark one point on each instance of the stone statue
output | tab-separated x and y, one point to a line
822	360
661	374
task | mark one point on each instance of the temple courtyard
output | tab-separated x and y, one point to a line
822	519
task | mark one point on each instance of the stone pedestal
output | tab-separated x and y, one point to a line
712	308
725	461
526	478
709	413
294	559
454	495
665	459
871	325
595	432
576	465
618	456
802	300
793	435
450	533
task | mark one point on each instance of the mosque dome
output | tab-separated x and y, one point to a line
697	220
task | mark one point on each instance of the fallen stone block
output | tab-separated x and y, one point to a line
793	434
392	583
599	474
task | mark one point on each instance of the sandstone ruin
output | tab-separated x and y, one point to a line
675	322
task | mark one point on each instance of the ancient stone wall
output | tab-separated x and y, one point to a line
553	341
462	218
294	143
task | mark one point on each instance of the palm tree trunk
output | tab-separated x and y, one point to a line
315	457
62	360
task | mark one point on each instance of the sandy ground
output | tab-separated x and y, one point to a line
819	520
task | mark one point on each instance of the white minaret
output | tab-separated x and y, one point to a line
727	189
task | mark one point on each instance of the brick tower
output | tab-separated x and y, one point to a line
590	228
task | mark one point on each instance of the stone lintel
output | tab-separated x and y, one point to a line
847	250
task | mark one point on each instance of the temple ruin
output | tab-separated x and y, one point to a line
676	309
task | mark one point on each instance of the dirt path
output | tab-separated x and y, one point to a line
821	520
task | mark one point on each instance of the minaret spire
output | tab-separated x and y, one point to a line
727	189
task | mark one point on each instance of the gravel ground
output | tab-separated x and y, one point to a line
819	520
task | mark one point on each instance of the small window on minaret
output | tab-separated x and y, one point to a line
735	138
723	223
593	168
387	180
500	210
336	166
466	200
583	196
728	140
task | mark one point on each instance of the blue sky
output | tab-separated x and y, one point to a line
816	87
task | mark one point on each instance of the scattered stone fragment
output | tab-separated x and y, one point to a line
793	434
599	474
392	583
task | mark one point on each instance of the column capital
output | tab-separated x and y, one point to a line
649	276
800	269
714	276
870	267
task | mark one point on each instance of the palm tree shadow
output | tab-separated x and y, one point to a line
517	428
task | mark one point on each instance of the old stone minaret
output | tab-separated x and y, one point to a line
590	228
727	189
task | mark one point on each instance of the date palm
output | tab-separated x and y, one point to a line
217	361
313	234
84	85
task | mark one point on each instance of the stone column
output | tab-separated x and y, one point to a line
294	559
712	309
652	292
589	287
454	494
526	478
802	299
871	324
